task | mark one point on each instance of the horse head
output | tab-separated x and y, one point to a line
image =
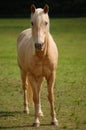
40	26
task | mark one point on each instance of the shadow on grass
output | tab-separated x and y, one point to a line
6	114
22	126
14	127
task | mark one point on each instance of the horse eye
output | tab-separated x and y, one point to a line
46	23
32	23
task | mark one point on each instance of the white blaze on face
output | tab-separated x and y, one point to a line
40	26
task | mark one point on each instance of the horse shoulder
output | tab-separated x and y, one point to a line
52	50
51	59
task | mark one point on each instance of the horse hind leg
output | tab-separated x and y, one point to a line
23	77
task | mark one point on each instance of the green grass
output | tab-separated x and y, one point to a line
70	85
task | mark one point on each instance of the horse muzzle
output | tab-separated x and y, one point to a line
39	46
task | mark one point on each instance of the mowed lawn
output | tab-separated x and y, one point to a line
70	85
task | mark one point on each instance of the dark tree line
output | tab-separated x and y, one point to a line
58	8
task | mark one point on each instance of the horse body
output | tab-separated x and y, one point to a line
36	62
37	59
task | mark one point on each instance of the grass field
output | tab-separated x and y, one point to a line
70	85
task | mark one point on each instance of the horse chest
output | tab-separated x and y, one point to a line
47	68
40	68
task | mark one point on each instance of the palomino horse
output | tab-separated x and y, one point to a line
37	59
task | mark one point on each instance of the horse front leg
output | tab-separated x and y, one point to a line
36	85
23	77
50	83
40	113
37	106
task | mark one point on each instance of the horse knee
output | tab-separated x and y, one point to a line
35	99
50	97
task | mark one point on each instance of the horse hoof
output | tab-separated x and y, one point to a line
36	124
54	123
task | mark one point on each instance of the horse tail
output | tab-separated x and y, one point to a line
30	92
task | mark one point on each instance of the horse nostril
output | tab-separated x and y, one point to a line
38	45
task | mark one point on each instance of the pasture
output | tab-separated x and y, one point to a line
70	85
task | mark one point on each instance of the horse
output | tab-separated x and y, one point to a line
37	56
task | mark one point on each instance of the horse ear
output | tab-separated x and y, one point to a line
46	8
33	8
